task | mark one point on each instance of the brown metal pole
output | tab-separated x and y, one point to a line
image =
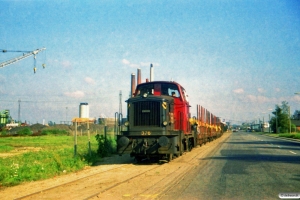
132	84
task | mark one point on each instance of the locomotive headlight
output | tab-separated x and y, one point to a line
126	123
165	123
145	95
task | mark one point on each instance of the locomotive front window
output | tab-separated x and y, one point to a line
148	89
168	89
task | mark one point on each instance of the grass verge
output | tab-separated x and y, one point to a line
290	135
285	135
55	156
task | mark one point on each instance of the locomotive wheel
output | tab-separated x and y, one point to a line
138	159
169	157
190	144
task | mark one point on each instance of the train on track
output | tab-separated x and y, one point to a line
159	124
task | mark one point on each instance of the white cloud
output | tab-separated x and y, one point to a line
76	94
125	62
277	89
260	90
296	98
239	91
258	99
66	64
89	80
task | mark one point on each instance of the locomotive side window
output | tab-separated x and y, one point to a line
185	96
174	93
170	90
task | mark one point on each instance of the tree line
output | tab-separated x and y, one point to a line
281	121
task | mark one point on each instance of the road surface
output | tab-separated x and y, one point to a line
245	166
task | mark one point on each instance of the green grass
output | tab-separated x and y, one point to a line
6	148
288	135
56	157
285	135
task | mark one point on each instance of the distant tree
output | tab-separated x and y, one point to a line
296	115
50	123
281	116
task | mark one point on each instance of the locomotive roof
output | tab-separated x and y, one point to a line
169	82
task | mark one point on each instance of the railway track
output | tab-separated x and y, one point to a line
132	181
160	179
94	182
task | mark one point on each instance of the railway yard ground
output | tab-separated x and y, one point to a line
116	177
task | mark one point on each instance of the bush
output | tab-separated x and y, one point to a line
105	145
25	131
54	132
3	133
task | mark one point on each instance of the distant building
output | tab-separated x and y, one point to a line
84	110
297	123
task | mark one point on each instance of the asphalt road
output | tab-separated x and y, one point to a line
245	166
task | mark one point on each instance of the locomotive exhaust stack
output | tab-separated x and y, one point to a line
139	76
132	84
151	73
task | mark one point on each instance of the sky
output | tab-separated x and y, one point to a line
238	59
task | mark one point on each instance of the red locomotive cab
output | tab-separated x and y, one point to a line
181	111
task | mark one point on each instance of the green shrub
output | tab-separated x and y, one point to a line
105	145
25	131
3	133
54	132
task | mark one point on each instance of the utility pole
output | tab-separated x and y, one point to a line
270	120
67	115
290	119
120	104
276	122
19	111
120	112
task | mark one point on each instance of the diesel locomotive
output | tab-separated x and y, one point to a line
159	124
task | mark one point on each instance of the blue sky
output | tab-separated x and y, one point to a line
238	59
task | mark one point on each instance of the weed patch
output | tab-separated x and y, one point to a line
106	146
